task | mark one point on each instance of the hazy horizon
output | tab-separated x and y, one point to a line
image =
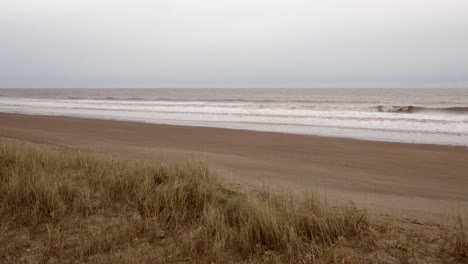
234	44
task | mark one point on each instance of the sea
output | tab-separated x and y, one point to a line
427	116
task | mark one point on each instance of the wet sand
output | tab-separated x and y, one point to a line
428	182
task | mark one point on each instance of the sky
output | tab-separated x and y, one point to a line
233	43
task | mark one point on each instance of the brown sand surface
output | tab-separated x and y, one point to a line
410	181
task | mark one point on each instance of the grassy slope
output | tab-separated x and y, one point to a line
61	205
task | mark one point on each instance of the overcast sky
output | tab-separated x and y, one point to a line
233	43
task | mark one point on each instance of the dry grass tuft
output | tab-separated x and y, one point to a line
63	205
460	245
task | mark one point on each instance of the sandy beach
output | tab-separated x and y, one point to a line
428	182
234	132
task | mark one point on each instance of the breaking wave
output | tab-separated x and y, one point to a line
419	109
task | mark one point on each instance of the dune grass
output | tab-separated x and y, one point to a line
62	205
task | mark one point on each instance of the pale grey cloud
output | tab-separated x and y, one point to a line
236	43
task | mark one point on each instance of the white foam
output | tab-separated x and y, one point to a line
325	120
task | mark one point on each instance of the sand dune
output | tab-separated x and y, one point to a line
422	181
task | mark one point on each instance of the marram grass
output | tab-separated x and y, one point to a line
97	209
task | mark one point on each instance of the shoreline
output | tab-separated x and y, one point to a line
274	128
413	180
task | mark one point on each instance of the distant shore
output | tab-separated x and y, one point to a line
418	181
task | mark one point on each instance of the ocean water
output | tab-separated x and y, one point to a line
433	116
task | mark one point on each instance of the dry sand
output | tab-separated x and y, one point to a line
424	182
